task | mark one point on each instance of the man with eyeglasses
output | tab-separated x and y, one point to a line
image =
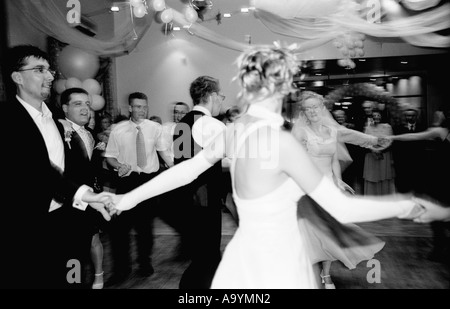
35	190
202	201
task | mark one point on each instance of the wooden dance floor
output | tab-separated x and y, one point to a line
403	261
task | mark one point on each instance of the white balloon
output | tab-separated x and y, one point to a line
159	5
190	14
167	16
139	11
136	3
73	82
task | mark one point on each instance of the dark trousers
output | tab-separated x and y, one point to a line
204	234
141	219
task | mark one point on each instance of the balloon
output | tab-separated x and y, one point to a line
342	62
359	44
159	5
167	16
338	44
60	85
73	82
92	86
359	52
190	14
139	11
352	53
136	3
74	62
97	102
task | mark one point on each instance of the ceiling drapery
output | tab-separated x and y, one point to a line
49	17
313	19
314	22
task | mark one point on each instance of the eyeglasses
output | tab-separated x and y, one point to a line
40	70
221	96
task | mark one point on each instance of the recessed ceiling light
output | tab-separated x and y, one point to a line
362	60
115	9
404	62
227	15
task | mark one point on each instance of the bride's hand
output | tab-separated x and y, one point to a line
434	212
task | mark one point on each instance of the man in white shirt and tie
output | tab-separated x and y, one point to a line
132	150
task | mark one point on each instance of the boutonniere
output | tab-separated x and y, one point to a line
68	131
101	146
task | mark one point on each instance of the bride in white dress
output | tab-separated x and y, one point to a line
270	171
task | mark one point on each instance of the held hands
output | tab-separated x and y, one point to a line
123	170
434	212
101	202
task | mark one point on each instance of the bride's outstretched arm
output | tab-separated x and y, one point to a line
295	161
175	177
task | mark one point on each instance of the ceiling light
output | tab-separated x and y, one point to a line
115	9
176	28
227	15
404	62
362	60
244	10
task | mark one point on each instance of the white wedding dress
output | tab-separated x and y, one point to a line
267	250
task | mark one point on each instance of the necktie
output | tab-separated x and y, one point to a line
140	149
87	139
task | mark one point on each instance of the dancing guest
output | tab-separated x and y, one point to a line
437	187
379	173
321	137
132	151
268	250
201	198
34	220
86	242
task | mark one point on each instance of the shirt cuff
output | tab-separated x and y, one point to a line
77	202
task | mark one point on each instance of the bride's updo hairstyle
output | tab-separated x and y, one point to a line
265	72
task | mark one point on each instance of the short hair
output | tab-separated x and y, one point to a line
137	95
180	104
306	95
17	57
202	87
232	111
65	96
156	119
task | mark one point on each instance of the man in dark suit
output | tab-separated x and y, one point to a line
409	156
202	196
35	188
81	166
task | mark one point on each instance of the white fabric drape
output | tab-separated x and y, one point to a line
312	19
48	17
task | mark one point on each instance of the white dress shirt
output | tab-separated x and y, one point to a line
207	129
55	147
122	144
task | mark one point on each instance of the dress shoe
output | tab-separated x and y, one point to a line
328	286
98	281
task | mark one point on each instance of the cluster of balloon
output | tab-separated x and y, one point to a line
139	8
351	45
79	69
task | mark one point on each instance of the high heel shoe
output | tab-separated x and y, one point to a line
98	285
328	286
